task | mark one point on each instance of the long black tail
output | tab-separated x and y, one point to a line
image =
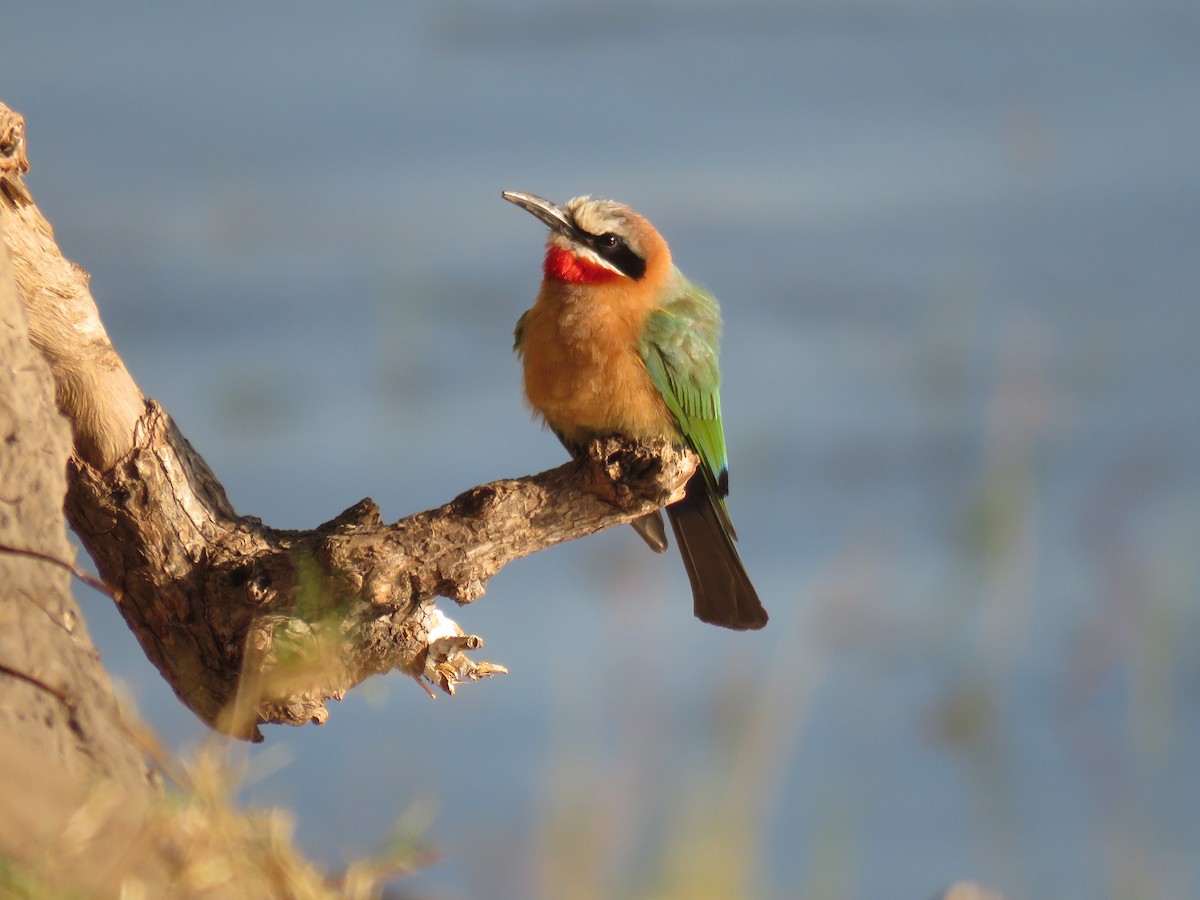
721	588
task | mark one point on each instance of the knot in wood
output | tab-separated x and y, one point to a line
363	514
472	503
625	472
252	581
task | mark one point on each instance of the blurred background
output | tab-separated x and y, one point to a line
958	250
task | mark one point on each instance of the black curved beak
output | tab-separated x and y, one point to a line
544	210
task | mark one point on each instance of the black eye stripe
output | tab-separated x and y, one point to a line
614	249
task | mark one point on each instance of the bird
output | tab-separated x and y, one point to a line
619	342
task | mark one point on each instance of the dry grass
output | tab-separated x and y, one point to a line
64	837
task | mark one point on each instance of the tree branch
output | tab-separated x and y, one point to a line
252	624
94	389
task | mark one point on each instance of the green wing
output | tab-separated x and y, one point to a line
679	347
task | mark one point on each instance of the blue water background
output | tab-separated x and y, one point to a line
958	251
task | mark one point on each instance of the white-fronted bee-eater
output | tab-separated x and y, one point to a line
619	342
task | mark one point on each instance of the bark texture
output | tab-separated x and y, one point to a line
56	702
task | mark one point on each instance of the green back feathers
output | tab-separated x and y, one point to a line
679	347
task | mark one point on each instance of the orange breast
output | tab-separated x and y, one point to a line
583	374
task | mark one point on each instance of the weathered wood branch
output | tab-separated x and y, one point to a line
94	389
251	624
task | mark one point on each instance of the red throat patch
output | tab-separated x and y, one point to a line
563	265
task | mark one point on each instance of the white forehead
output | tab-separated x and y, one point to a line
598	216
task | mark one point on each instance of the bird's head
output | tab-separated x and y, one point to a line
597	242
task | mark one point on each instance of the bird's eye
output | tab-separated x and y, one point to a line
607	241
